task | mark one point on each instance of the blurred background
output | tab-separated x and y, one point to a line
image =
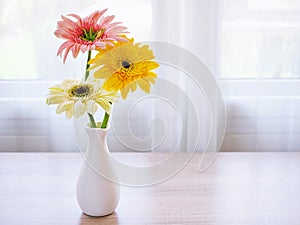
252	48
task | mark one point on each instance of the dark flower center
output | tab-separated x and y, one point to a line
126	64
81	90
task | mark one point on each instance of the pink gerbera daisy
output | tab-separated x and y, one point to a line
89	33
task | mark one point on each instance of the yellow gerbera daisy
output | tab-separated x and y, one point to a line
76	98
125	66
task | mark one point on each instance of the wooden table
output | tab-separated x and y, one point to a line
238	189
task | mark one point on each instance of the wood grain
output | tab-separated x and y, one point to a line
238	189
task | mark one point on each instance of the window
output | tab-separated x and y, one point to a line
259	71
260	38
29	66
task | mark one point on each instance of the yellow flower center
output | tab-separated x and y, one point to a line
123	76
126	66
81	90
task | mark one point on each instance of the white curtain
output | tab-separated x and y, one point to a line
252	48
192	26
259	69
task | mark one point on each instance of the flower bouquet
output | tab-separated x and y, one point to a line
119	66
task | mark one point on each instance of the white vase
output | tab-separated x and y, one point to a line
97	195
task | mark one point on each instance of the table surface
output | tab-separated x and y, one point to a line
238	189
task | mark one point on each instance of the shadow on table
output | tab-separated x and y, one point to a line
111	219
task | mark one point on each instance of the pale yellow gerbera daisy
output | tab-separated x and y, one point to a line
125	66
76	98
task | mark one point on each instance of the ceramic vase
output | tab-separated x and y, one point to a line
97	191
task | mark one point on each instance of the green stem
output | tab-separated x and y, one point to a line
87	73
105	121
92	121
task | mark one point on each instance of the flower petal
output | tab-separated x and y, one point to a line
91	107
104	105
124	92
69	113
79	109
64	106
144	85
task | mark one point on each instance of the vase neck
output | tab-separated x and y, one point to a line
97	141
